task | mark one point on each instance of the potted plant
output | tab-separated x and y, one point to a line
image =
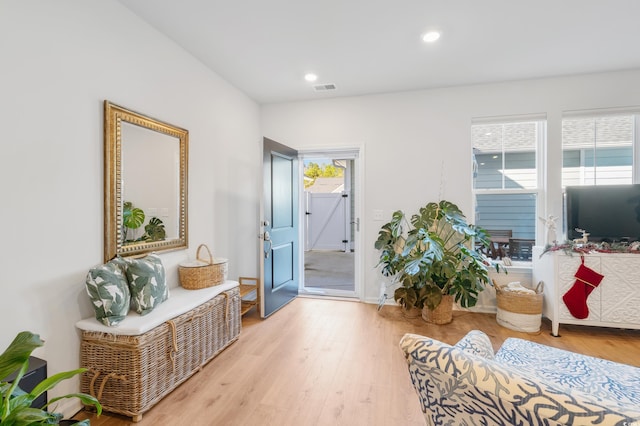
15	404
432	257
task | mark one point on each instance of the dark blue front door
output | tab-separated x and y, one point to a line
280	238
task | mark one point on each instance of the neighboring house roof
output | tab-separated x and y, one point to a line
327	185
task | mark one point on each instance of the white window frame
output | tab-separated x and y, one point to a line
539	191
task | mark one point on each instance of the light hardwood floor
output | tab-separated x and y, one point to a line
328	362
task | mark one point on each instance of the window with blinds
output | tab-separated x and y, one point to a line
598	150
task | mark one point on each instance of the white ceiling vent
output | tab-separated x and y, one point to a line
324	87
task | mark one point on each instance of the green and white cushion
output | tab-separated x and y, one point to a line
147	283
109	292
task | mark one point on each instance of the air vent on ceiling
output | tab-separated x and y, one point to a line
324	87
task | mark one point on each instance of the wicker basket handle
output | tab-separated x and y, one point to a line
540	287
208	251
106	378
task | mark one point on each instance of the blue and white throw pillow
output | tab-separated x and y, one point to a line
476	343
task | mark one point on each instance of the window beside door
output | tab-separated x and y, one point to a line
506	183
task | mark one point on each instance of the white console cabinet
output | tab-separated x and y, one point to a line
614	303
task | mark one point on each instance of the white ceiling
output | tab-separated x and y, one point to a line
264	47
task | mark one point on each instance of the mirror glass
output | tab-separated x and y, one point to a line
145	184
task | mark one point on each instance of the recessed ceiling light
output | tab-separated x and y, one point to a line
431	36
310	77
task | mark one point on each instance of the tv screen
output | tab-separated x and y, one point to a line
607	212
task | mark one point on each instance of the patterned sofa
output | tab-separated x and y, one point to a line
524	383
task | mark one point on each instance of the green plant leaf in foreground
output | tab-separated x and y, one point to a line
18	352
15	404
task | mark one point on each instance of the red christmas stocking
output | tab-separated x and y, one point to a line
576	298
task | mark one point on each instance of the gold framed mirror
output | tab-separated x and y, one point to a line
145	184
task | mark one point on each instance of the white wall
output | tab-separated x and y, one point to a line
409	136
59	61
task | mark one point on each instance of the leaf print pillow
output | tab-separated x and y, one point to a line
108	290
147	283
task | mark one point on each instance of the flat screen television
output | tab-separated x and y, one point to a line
608	212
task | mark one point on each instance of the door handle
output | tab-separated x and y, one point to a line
267	239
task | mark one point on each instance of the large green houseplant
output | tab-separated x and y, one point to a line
15	404
432	255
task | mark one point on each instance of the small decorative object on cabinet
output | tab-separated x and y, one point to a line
248	286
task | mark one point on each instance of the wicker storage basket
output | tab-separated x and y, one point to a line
520	311
130	374
203	273
442	314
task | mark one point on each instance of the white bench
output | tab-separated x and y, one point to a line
134	365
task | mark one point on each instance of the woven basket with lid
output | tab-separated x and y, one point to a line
203	273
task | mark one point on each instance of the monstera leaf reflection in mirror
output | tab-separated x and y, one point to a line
132	219
145	179
154	230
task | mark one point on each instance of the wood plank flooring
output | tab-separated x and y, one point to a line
329	362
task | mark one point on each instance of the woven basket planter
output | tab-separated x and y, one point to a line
411	313
442	314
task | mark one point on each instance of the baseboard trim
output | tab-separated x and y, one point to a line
68	407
